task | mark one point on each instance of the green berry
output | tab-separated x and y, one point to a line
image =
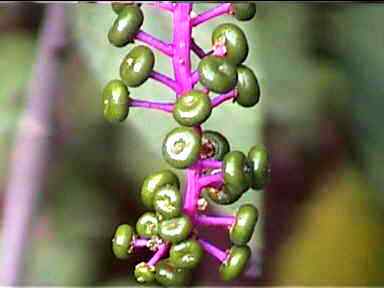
169	275
147	225
116	101
117	7
247	87
137	66
242	231
236	176
214	145
186	254
244	11
121	241
127	24
224	195
234	40
144	273
167	201
181	147
176	229
192	108
235	264
153	182
259	163
217	74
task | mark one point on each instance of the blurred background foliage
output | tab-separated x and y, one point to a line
320	68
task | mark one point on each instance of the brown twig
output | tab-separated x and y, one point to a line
32	146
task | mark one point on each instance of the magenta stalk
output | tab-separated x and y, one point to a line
211	179
195	77
167	6
210	163
213	250
197	50
219	10
224	97
214	221
165	80
140	242
158	44
166	107
163	249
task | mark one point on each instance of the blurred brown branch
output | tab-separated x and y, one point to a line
32	146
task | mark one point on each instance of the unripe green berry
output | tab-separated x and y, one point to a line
147	225
235	264
242	230
192	108
116	101
171	276
181	147
247	87
243	11
214	145
153	182
167	201
176	229
127	24
259	162
137	66
217	74
121	241
144	273
186	254
234	40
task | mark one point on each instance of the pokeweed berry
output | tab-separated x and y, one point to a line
214	174
116	101
217	74
155	181
126	25
244	11
233	39
181	147
121	242
137	66
192	108
214	145
247	87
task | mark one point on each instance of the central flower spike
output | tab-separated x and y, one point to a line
214	173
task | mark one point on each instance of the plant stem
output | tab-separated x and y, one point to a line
32	146
210	163
166	107
213	250
165	80
219	10
211	179
224	97
215	220
140	242
163	249
154	42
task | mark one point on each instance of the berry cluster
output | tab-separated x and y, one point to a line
214	173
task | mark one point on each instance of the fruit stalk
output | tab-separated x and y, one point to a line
212	13
215	220
213	250
166	107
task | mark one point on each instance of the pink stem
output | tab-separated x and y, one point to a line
195	77
189	202
166	107
224	97
182	31
221	9
167	6
155	43
198	50
208	180
215	220
213	250
163	249
210	163
164	80
140	242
